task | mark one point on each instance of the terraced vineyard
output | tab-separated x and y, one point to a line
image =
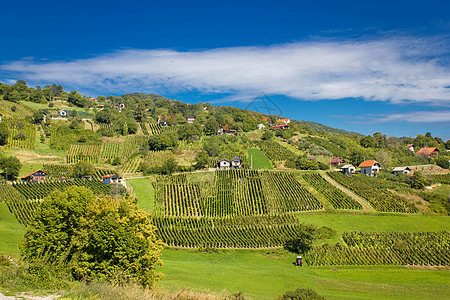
37	191
386	248
233	208
375	192
337	198
442	178
17	204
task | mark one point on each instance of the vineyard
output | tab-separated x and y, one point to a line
442	178
375	192
150	128
233	208
18	205
55	172
386	248
37	191
337	198
108	150
224	232
275	152
22	134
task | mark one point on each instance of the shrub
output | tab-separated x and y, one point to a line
301	294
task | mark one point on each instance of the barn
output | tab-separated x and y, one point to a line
36	176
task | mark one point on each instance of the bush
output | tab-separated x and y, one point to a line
301	294
443	162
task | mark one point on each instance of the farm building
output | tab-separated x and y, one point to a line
111	178
191	119
431	152
261	126
36	176
370	167
236	163
348	169
337	160
411	147
223	164
282	126
399	170
220	130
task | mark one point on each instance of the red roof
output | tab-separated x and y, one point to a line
109	176
368	163
280	126
33	173
337	160
428	151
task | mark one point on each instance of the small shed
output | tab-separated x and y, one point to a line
191	119
62	113
223	164
348	169
36	176
261	126
236	162
401	170
370	167
111	178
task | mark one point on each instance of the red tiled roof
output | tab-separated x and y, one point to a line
368	163
33	173
109	176
280	126
428	151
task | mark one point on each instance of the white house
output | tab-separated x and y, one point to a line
261	126
191	119
223	164
111	178
400	170
236	162
62	113
348	169
370	167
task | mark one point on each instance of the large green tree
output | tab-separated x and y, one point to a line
95	238
10	165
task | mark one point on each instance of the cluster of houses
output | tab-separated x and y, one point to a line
39	176
282	124
225	164
370	168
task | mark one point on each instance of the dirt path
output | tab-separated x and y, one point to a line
366	205
25	296
326	204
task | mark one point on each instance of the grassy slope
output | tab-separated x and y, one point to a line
265	276
260	160
144	192
11	232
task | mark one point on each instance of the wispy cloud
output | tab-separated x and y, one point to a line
442	116
390	69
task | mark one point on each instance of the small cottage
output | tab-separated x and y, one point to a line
236	163
261	126
223	164
431	152
191	119
370	167
348	169
63	113
36	176
401	170
111	178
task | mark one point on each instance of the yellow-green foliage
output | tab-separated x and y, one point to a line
101	238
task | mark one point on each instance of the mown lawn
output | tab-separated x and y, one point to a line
145	194
11	232
260	160
268	274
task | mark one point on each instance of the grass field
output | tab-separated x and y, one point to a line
145	194
260	160
11	233
268	274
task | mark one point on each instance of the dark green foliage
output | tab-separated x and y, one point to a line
302	243
301	294
443	162
76	99
82	168
201	160
163	141
267	135
438	204
418	180
91	236
4	133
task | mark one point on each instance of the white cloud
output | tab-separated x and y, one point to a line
391	69
409	117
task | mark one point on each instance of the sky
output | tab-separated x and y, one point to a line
363	66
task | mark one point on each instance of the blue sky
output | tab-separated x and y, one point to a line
363	66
